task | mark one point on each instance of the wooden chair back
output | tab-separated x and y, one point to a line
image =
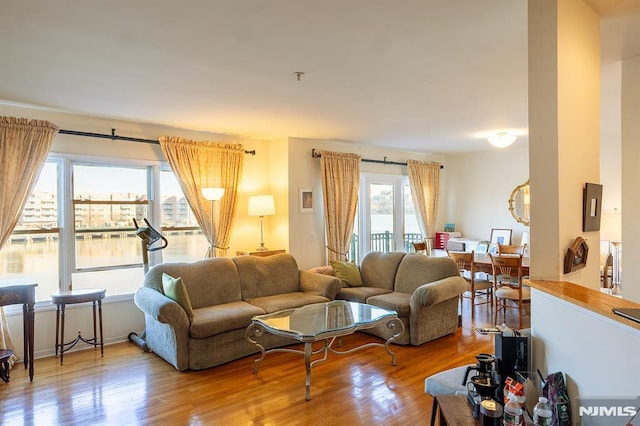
511	249
506	266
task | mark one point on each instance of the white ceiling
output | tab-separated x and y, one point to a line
422	75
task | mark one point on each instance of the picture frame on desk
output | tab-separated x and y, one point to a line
501	236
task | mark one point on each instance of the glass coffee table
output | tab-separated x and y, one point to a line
323	322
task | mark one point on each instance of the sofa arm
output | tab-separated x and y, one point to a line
159	307
438	291
320	284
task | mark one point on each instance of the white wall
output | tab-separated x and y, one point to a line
630	177
598	355
478	188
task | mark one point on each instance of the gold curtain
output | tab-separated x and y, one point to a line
200	165
340	173
24	146
424	180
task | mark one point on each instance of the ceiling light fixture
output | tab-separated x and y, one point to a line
298	75
502	139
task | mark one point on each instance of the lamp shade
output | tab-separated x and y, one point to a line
611	226
212	194
502	139
261	205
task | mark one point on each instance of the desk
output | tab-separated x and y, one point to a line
63	298
483	264
25	294
259	253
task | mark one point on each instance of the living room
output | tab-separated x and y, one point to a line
477	186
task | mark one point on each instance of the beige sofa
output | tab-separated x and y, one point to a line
423	290
225	294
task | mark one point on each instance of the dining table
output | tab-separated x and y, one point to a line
483	263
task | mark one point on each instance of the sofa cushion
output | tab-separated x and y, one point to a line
279	302
216	319
174	289
379	269
394	301
267	276
208	282
359	294
348	272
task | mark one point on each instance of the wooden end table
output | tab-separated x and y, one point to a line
63	298
454	410
5	354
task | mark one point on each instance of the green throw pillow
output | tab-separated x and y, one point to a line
174	289
348	272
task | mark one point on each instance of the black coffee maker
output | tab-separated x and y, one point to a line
484	383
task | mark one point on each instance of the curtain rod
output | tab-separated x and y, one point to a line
315	154
114	137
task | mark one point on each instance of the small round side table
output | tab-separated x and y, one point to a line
63	298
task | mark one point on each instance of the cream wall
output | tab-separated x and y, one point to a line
478	188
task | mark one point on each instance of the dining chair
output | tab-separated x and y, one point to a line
508	287
475	286
422	246
511	249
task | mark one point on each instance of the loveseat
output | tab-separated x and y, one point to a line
423	290
223	294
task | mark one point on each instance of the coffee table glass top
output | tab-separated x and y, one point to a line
312	321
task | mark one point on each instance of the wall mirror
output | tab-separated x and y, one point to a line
520	203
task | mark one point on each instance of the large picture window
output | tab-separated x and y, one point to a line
77	227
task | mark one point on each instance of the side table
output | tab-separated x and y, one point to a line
454	410
14	292
63	298
5	354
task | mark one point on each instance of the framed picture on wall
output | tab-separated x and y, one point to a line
306	200
500	236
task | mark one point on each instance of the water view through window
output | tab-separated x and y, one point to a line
104	249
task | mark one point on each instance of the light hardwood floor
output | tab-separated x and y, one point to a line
129	387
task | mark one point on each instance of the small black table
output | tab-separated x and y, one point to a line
63	298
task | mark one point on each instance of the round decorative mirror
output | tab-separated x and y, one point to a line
520	203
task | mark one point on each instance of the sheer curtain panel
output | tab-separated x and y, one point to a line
24	146
340	174
424	181
203	164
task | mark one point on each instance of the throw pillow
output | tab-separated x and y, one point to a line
175	289
348	272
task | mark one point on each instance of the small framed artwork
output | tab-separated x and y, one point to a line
591	207
500	236
449	227
306	201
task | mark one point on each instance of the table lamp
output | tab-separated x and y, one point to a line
212	194
261	205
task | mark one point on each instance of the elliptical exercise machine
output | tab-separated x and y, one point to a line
148	236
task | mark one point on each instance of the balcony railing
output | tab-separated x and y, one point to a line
382	242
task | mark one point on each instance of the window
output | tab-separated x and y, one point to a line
179	225
386	216
105	201
85	235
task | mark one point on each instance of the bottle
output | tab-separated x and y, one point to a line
542	412
512	412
